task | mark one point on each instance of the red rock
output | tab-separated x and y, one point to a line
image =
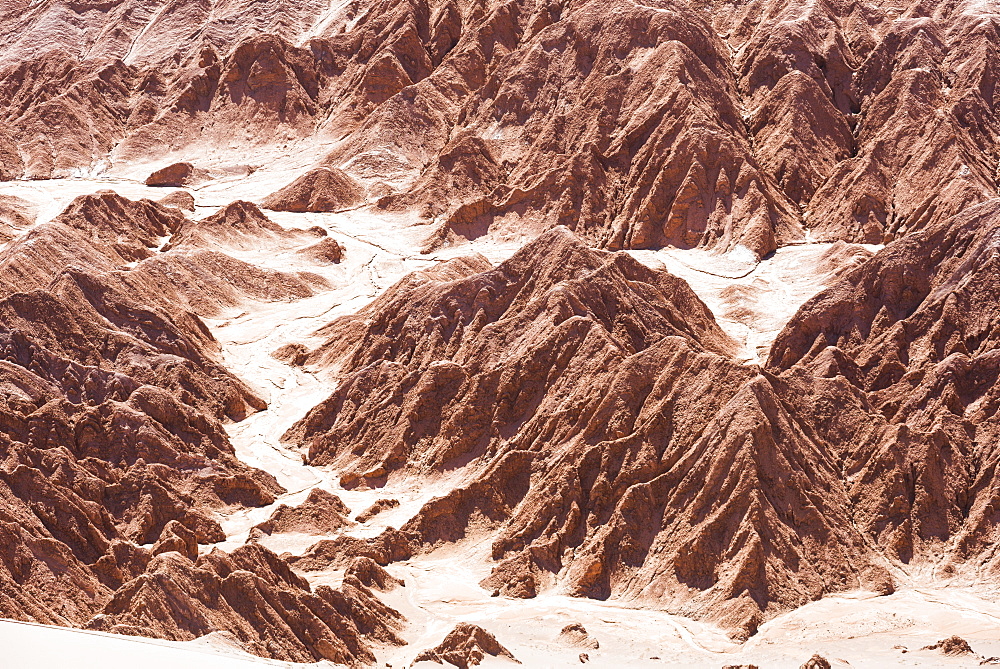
371	574
953	645
252	594
576	634
11	163
322	512
378	507
817	661
322	189
175	175
177	537
181	199
464	647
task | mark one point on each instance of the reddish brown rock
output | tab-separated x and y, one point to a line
378	507
326	251
464	647
16	216
252	594
371	574
321	513
904	345
322	189
953	645
11	163
596	409
576	634
817	661
293	354
390	546
239	225
180	199
174	176
177	537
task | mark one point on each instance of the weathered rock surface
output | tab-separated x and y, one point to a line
717	124
175	176
602	434
181	199
371	574
953	645
322	189
16	215
576	634
905	345
112	402
817	661
252	594
322	512
595	401
464	647
378	507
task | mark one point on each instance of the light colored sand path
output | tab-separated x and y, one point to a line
32	646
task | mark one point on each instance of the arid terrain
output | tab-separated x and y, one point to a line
468	332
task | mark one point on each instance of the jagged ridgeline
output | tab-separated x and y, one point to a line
451	219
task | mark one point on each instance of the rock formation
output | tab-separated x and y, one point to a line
378	507
371	574
817	661
181	199
596	403
464	647
537	379
322	513
113	402
583	413
322	189
576	634
252	594
717	124
175	176
953	645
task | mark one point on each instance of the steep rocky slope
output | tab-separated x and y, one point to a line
912	335
638	125
112	439
608	438
611	447
578	411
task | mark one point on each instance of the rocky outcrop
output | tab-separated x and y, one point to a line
371	574
16	216
252	594
464	647
327	251
576	634
173	176
340	553
953	645
599	418
180	199
322	189
321	513
240	225
717	124
910	336
11	162
541	298
112	400
378	507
